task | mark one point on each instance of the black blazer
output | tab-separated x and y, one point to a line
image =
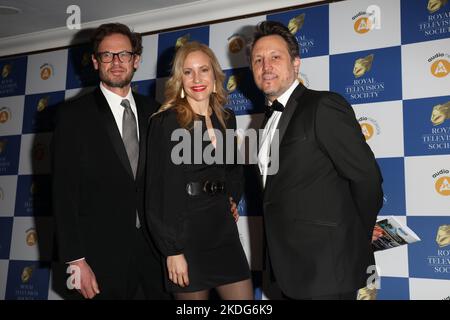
321	206
95	196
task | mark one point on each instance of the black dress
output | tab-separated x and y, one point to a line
201	227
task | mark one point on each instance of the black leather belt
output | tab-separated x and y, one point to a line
208	187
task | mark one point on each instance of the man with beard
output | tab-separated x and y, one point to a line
98	168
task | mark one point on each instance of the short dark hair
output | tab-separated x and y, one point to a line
108	29
270	28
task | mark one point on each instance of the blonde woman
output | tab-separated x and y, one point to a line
189	199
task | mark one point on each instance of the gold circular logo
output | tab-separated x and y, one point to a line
31	237
27	272
5	115
367	130
443	186
440	68
235	44
362	25
6	70
46	73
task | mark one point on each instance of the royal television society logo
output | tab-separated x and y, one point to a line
296	23
435	5
6	70
442	182
33	188
5	114
369	127
46	71
43	103
443	235
367	293
31	237
181	41
440	113
439	137
437	22
3	143
363	85
440	261
439	65
26	275
233	82
362	65
85	59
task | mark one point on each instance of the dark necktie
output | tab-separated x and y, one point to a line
276	106
130	140
129	135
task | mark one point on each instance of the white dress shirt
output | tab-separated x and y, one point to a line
114	101
269	131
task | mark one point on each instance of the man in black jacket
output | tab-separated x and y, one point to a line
98	176
321	202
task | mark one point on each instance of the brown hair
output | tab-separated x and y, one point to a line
270	28
173	100
108	29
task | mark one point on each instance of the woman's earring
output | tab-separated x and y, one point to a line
182	93
214	89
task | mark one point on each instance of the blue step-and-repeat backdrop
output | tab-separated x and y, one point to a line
393	69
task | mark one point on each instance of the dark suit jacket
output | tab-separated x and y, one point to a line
95	196
321	206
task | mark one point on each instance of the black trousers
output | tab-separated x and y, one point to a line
145	275
147	282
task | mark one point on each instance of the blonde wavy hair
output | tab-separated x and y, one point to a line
185	114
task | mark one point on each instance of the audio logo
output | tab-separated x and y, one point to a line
369	127
236	43
46	71
442	182
5	115
368	20
31	237
440	65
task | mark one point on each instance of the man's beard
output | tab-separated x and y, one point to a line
118	83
